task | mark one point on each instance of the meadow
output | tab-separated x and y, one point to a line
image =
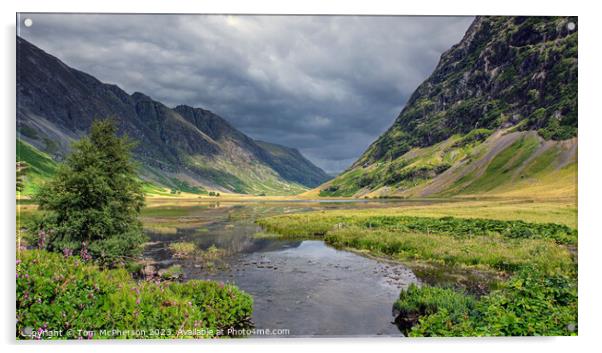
495	267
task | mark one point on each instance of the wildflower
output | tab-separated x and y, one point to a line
67	252
41	239
84	252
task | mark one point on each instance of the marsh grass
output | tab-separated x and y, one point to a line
182	249
524	271
491	251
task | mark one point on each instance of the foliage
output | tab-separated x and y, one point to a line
94	199
530	303
416	302
64	293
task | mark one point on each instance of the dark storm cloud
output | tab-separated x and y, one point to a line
326	85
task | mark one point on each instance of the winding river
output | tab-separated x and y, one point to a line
300	287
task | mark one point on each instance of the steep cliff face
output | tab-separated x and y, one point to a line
506	71
511	74
56	104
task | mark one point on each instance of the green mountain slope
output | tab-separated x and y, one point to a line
183	148
499	113
40	166
291	164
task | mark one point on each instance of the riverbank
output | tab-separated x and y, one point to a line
469	250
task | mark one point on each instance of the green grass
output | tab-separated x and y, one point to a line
321	223
490	244
540	298
40	168
182	249
499	170
183	186
489	251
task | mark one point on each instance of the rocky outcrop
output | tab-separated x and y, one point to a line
506	71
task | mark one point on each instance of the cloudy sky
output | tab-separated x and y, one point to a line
327	85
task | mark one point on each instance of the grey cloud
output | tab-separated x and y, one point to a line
327	85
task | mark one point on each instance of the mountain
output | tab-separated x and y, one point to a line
498	114
182	148
291	164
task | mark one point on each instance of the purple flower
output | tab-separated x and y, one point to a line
67	252
84	252
41	239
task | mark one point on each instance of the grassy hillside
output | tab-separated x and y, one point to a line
40	168
497	117
501	163
291	164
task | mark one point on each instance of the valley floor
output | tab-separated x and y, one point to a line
470	255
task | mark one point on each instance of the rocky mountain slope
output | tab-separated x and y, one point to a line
499	112
56	104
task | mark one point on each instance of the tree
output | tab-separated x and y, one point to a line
21	171
92	204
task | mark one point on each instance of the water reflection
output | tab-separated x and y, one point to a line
305	287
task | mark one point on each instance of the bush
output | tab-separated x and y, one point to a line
530	303
416	302
64	293
93	202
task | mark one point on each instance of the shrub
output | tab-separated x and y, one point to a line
530	303
94	199
64	293
416	302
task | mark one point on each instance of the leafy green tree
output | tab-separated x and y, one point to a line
93	202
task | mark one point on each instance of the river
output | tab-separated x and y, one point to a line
300	287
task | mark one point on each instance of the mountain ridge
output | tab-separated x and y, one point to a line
508	75
56	104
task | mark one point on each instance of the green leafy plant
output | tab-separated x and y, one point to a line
63	293
530	303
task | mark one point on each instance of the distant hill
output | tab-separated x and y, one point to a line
498	114
182	148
